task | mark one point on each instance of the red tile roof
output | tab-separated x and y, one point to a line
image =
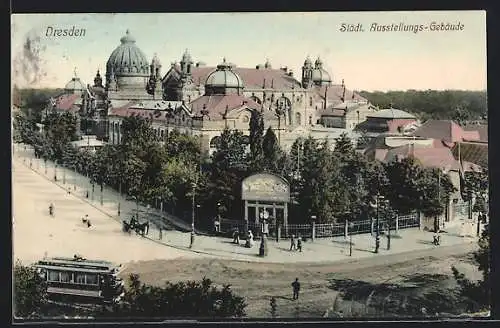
445	130
277	79
252	78
335	92
128	110
482	129
67	102
216	105
428	156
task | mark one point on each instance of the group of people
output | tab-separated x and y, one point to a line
296	244
249	240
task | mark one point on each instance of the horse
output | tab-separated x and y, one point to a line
126	226
142	228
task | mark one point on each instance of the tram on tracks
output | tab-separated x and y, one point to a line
78	280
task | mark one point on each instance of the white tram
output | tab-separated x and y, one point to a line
77	279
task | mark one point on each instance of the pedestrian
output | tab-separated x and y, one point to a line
299	244
51	209
296	288
236	236
217	224
292	243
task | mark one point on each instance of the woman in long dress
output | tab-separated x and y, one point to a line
250	238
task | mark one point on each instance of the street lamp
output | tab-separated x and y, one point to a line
351	226
102	187
55	170
64	175
193	197
45	162
377	231
264	215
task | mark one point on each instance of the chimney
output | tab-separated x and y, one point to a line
284	69
290	73
264	84
272	83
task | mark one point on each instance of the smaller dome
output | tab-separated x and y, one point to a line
75	85
224	77
319	75
223	80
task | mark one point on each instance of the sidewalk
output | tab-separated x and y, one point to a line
321	250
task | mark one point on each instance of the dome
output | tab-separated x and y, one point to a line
127	59
224	78
75	85
319	75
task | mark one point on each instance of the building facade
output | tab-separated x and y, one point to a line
203	101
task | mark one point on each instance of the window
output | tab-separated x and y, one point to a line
310	101
80	278
66	276
53	275
298	118
91	279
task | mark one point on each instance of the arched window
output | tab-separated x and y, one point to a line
298	118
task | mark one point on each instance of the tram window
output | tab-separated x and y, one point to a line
80	278
65	276
91	279
53	275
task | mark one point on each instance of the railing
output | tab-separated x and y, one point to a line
323	230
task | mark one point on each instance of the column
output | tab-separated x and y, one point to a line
397	223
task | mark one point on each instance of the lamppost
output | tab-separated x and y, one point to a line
102	189
351	226
437	223
45	162
55	170
64	175
264	215
377	231
119	196
193	197
93	189
136	207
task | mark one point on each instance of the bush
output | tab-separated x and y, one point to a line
182	299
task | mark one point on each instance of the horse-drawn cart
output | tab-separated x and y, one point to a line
140	228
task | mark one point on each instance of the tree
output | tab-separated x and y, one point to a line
199	299
30	291
405	193
227	169
271	152
256	139
343	146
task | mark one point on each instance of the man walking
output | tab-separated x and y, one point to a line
299	244
296	288
292	243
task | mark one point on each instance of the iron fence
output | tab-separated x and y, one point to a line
322	230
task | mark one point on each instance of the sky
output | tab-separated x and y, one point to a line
366	60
